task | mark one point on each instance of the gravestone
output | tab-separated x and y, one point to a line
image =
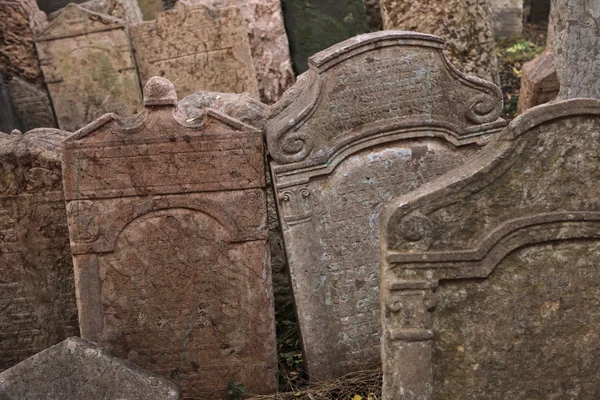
268	43
50	6
8	116
37	292
507	16
375	116
78	369
32	105
127	10
169	239
490	276
373	15
197	47
576	47
314	25
539	83
465	24
88	66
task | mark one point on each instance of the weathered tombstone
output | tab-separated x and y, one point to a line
539	83
8	116
489	275
314	25
88	65
50	6
169	239
31	104
268	44
376	116
37	292
197	47
469	32
127	10
576	46
78	369
507	16
373	15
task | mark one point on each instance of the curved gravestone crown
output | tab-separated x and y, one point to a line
37	293
374	117
492	264
168	233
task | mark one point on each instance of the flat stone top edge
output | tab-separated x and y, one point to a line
320	59
57	20
46	140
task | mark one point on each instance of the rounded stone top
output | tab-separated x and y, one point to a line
159	92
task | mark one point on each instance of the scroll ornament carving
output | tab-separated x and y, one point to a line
483	108
295	203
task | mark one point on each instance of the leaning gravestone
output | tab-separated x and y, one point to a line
169	239
198	48
8	116
507	16
78	369
314	25
88	66
465	24
37	292
375	117
490	278
32	104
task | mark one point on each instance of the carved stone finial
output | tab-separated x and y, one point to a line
159	92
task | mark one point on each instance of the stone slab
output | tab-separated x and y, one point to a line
50	6
8	116
489	274
32	105
469	34
168	230
127	10
508	18
197	47
315	25
88	66
79	369
539	82
373	15
37	291
374	117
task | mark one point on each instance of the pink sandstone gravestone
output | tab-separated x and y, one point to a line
489	275
375	116
88	66
197	47
37	293
167	219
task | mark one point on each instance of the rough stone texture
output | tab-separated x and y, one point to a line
490	273
465	24
268	43
374	15
197	47
8	116
88	66
539	83
314	25
37	293
127	10
19	19
346	139
576	47
507	16
167	218
32	105
78	369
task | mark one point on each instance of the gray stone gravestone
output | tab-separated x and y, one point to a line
489	275
32	105
374	117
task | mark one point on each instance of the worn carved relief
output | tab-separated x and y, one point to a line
484	269
375	117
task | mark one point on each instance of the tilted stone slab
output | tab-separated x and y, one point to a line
78	369
88	66
32	104
539	82
197	47
490	276
167	218
37	292
375	117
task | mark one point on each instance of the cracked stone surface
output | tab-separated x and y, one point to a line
465	24
168	226
376	116
37	292
197	47
79	369
489	275
576	47
88	66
